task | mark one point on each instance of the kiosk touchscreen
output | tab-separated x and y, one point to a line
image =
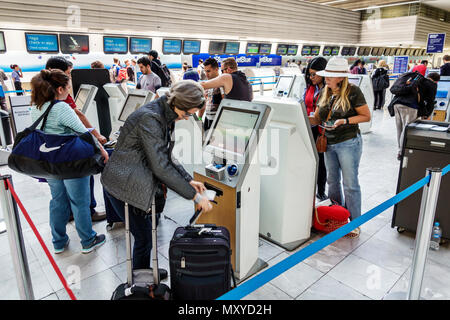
288	174
86	104
117	96
284	86
441	108
364	82
232	171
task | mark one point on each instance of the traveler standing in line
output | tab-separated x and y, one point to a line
130	70
214	96
142	161
362	69
421	68
380	82
445	68
356	67
149	80
114	71
344	106
233	81
16	75
314	86
201	70
97	65
191	74
67	194
3	78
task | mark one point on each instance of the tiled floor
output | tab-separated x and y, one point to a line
369	267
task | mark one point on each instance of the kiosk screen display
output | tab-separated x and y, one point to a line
292	50
232	48
42	42
140	45
115	44
233	130
81	98
2	42
191	46
171	46
132	103
306	50
284	83
327	51
335	51
443	89
74	43
217	47
252	48
354	81
315	50
282	49
265	48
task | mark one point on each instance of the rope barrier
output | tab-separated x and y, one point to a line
281	267
41	241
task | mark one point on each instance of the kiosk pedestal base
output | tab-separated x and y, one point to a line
288	246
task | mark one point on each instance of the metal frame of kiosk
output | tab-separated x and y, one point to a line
130	105
288	174
86	104
364	82
292	88
20	113
231	169
117	97
441	110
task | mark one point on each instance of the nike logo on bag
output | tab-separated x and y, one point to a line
43	148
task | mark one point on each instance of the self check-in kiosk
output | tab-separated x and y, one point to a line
441	106
365	84
289	86
232	170
288	174
86	104
117	96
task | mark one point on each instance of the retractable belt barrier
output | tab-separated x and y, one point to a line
17	91
41	241
266	276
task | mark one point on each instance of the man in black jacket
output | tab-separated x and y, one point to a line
445	68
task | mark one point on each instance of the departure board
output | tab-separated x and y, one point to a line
306	50
327	51
41	42
2	42
345	51
216	47
315	50
351	51
115	45
140	45
292	50
191	46
335	51
252	48
232	48
74	43
282	49
171	46
265	48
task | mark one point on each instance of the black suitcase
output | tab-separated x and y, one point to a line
142	284
200	262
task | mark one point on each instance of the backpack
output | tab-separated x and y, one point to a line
407	84
113	73
380	80
163	73
123	75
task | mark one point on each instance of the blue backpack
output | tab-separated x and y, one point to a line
43	155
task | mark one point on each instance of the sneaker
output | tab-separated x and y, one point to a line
58	251
321	197
98	241
98	216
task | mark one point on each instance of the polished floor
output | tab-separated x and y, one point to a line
370	267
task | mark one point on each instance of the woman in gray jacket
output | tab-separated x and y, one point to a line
142	161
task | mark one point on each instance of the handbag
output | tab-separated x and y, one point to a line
321	142
55	156
330	218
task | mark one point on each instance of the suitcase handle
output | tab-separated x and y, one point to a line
194	217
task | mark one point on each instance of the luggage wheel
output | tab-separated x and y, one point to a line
400	229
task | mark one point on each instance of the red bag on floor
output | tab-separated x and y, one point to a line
330	218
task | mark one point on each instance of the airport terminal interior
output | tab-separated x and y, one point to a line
256	154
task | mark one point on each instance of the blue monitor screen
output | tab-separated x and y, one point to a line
232	48
140	45
115	45
42	42
191	46
292	50
265	48
171	46
443	89
335	51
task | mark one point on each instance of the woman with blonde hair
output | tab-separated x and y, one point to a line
380	82
340	108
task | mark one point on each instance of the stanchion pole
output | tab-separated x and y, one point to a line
16	243
425	226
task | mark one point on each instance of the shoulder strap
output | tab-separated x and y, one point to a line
44	115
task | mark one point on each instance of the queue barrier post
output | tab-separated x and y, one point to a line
16	242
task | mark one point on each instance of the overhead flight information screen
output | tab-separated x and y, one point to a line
351	51
315	50
133	103
140	45
265	48
2	42
41	42
282	49
252	48
306	50
292	50
327	51
74	43
233	130
191	46
216	47
335	51
232	48
115	45
171	46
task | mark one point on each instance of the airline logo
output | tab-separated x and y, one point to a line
45	149
265	60
244	59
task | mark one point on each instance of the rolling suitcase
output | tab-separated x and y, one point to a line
200	262
142	284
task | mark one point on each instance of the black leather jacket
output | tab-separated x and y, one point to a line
142	158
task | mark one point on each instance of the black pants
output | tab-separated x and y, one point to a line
379	99
18	86
322	174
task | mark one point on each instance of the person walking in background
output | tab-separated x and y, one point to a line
314	86
380	82
3	78
16	75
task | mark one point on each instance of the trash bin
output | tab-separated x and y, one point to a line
6	127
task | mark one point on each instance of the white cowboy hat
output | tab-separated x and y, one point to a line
336	67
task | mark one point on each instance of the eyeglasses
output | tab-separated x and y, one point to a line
224	70
187	114
312	75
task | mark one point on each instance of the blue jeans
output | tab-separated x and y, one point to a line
344	157
67	195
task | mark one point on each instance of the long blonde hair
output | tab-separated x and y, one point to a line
342	100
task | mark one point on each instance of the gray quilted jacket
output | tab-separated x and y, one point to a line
142	157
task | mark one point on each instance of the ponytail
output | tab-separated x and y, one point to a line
44	86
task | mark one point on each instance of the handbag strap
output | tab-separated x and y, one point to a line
43	116
333	99
317	218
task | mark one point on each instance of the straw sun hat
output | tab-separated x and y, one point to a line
336	67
